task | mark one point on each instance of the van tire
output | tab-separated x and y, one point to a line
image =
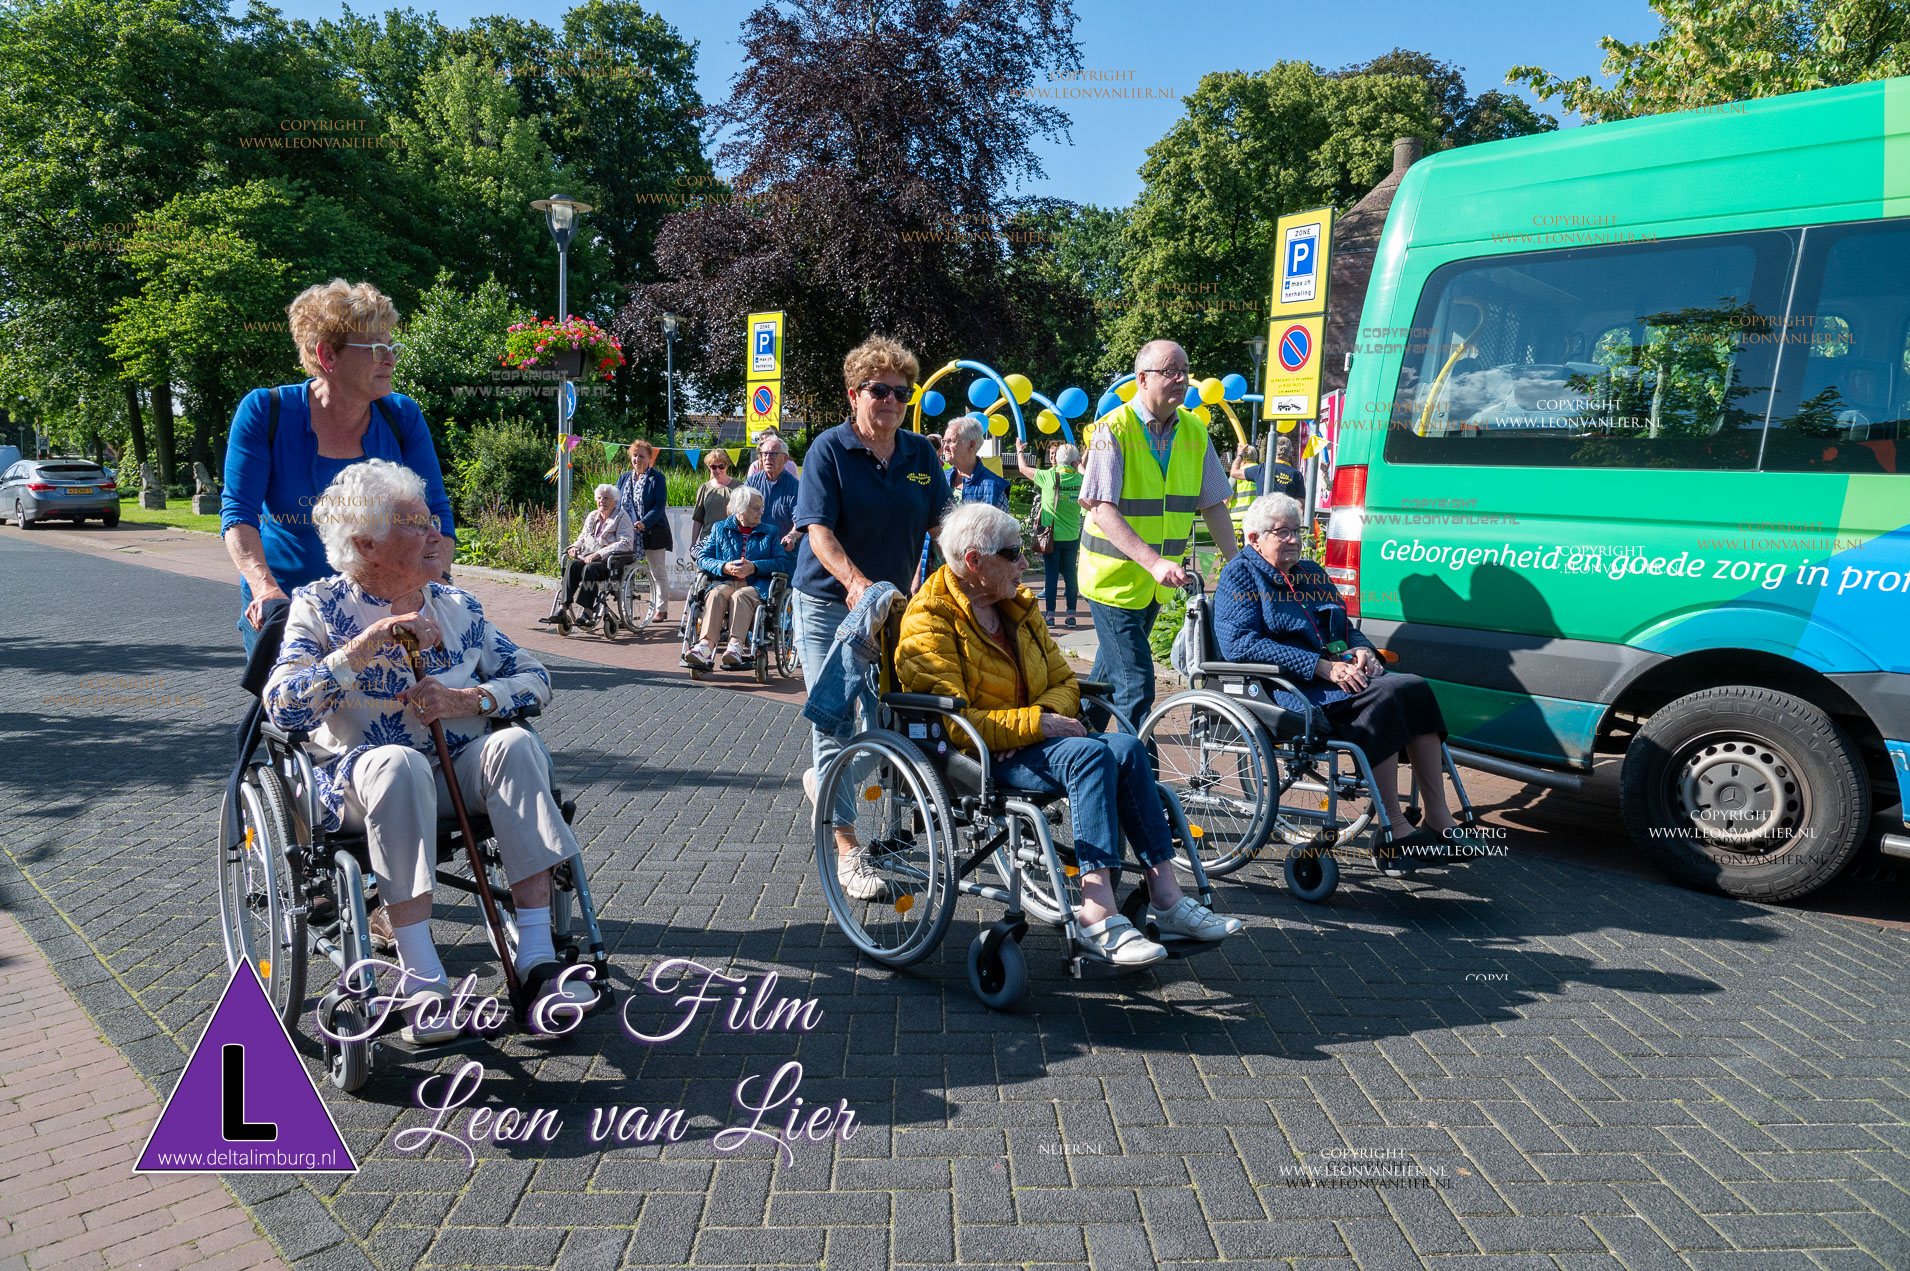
1775	751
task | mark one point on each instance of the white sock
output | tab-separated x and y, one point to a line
533	937
419	958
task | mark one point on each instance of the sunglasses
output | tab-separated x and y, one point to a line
719	467
381	352
1010	553
882	392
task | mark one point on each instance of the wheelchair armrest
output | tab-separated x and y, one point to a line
284	736
1258	670
1095	688
924	702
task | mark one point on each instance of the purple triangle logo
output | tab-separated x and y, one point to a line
245	1104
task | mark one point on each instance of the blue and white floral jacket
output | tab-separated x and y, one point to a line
314	688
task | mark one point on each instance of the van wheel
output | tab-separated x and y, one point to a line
1745	791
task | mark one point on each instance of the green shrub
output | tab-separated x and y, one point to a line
1167	624
522	539
502	464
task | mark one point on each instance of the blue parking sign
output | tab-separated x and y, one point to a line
1300	258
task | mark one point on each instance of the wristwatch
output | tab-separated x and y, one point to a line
486	702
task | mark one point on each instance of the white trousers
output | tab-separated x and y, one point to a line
395	795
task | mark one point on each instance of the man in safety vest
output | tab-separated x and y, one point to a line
1150	467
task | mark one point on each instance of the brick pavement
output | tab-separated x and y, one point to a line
1600	1070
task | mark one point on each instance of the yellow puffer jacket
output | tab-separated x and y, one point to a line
943	650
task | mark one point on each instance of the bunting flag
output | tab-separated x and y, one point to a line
611	450
736	454
571	440
696	456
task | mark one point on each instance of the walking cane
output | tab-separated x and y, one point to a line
409	641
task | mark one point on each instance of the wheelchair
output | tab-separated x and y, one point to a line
289	889
930	817
1249	770
770	638
630	598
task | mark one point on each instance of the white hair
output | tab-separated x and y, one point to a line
1066	456
602	490
977	527
1144	354
360	503
741	497
966	428
1270	510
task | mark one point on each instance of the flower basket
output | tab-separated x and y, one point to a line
576	347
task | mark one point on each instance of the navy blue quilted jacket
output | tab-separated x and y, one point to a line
1258	617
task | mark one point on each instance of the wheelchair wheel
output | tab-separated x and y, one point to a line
1215	759
759	666
1311	873
258	895
788	658
350	1061
610	622
999	976
903	826
1299	812
1038	897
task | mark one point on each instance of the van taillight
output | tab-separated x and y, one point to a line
1343	527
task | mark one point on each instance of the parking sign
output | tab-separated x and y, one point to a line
765	357
1300	274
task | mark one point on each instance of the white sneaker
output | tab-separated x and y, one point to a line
430	1012
809	785
698	656
858	877
1188	917
1119	941
733	656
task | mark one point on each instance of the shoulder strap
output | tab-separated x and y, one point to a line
384	408
272	419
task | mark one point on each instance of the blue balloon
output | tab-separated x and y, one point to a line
1189	394
983	393
932	403
1233	388
1110	400
1071	403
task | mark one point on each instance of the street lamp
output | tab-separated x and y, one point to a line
1258	347
670	321
560	214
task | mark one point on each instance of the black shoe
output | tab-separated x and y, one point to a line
1070	620
549	618
589	620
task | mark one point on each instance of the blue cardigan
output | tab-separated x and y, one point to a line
647	500
272	488
1259	618
728	541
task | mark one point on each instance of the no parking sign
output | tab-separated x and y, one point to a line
765	406
1293	373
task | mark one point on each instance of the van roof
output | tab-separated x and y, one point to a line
1800	158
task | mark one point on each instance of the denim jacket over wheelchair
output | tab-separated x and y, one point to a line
314	688
728	541
1259	618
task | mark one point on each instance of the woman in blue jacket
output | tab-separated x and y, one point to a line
1272	606
288	443
740	553
644	496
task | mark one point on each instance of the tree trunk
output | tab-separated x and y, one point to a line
162	430
205	411
138	425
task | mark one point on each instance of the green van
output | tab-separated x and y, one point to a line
1622	470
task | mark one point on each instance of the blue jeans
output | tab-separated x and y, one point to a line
1122	657
1110	789
246	633
816	623
1059	565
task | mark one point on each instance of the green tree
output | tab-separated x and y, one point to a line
1463	120
450	364
1708	52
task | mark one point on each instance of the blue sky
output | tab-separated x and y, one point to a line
1169	46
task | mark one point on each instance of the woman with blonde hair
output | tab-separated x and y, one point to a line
289	443
645	497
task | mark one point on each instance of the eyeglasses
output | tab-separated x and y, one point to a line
882	392
773	454
1010	553
1284	531
381	352
1169	373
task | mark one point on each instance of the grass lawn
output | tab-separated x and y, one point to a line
178	514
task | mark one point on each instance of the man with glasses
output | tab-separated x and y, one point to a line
778	485
1150	467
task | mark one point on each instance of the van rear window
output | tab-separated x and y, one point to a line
1637	355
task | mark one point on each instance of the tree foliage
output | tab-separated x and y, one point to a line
1708	52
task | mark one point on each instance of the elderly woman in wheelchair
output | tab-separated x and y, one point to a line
342	684
744	571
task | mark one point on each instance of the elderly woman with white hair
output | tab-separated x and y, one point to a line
972	632
606	532
342	676
741	553
1060	512
1274	606
288	443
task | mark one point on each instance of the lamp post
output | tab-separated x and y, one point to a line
560	214
1258	347
670	322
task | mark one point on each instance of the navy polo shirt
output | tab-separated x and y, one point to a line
879	512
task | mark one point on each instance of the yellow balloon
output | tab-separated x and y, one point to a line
1125	392
998	424
1211	391
1048	421
1286	425
1020	386
1203	414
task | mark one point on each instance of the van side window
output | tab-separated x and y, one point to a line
1843	402
1634	355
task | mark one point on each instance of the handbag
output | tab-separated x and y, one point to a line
1044	534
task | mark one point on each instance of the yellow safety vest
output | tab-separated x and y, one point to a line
1243	498
1159	510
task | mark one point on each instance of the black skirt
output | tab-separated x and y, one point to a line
1385	715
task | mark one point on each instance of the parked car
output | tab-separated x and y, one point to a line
34	490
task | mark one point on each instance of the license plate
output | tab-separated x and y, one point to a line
78	489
